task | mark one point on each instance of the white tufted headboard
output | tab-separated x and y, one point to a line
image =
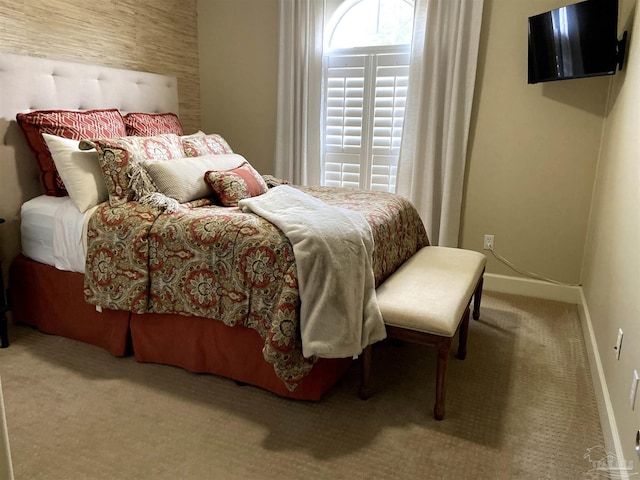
32	83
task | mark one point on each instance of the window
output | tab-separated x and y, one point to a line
365	79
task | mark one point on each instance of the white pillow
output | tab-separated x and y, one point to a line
183	178
79	170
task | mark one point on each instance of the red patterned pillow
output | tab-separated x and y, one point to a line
233	185
121	163
151	124
76	125
197	146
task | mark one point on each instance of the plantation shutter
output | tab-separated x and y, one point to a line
391	81
344	94
365	97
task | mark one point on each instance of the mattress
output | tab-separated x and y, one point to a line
53	232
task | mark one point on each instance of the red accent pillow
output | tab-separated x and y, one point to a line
233	185
76	125
152	124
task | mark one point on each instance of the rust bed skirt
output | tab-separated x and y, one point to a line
53	301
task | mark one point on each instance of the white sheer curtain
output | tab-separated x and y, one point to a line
297	156
442	76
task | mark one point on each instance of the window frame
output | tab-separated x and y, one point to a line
371	175
337	16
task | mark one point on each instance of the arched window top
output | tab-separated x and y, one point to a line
367	23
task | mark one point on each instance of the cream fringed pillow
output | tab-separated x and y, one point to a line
235	184
183	179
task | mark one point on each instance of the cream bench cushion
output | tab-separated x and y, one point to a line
430	292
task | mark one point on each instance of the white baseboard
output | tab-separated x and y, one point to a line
574	295
531	288
605	409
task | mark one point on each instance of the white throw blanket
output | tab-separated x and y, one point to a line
333	248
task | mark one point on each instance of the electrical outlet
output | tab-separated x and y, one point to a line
634	389
488	242
618	344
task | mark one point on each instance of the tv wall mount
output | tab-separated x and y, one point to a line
621	47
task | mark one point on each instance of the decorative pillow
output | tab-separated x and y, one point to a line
233	185
272	181
80	171
183	179
151	124
68	124
196	146
199	133
120	161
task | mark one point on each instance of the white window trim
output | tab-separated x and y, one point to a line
338	15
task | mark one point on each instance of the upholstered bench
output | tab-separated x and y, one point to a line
426	301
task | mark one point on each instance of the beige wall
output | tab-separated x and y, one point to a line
157	36
532	152
239	75
612	260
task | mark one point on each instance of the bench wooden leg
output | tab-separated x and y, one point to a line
463	335
443	346
477	297
365	373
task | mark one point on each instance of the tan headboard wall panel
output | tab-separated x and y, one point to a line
159	36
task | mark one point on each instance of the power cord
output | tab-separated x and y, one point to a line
527	273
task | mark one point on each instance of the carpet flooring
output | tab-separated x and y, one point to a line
521	406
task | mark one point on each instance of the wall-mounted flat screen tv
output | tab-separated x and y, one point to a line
575	41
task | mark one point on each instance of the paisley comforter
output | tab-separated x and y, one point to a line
220	263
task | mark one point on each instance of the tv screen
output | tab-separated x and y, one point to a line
575	41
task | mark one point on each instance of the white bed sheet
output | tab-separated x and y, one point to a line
53	231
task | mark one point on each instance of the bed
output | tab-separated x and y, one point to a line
241	327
